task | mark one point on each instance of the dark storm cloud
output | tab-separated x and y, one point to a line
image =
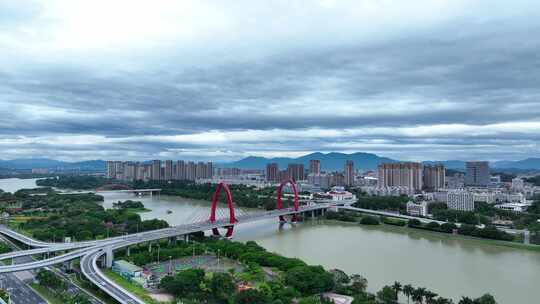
459	73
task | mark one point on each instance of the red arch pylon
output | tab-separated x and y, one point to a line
215	199
279	205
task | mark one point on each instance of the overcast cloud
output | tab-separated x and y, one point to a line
220	80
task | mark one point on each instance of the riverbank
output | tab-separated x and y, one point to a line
442	235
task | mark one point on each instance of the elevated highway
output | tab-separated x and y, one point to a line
89	252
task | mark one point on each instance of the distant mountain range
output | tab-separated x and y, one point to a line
335	162
22	164
329	162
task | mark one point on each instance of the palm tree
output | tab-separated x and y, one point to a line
418	295
408	290
441	300
397	287
466	300
430	297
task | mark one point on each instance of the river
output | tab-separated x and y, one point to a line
449	266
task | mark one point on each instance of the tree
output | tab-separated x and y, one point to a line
387	295
186	283
369	220
250	296
359	283
485	299
48	279
441	300
466	300
430	297
414	223
433	226
408	291
309	279
448	227
397	287
418	295
221	285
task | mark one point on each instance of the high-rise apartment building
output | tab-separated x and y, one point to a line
349	173
477	173
156	169
401	175
168	170
119	169
201	170
180	170
130	171
296	171
272	173
336	179
111	170
209	170
191	171
314	166
434	177
321	181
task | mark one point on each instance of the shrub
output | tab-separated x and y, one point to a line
433	226
393	221
414	223
369	220
448	227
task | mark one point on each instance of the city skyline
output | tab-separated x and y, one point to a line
424	80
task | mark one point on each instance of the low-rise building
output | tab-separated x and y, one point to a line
460	200
516	207
337	298
417	208
337	194
126	269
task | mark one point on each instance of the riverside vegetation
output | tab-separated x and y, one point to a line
483	214
292	280
244	196
52	217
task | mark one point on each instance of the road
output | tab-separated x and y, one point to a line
22	293
96	249
91	272
408	217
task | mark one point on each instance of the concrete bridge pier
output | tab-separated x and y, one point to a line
68	265
172	240
526	237
109	257
186	238
149	246
128	251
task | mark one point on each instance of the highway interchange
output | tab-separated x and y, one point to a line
90	252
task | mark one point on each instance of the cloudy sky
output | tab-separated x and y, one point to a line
220	80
